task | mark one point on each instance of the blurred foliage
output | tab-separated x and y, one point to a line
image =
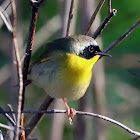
116	134
122	88
124	18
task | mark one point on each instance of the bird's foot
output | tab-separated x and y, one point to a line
71	113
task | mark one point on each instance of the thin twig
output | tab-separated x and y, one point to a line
6	126
70	17
8	117
6	7
11	109
87	114
19	68
104	23
94	15
109	15
109	7
6	20
110	120
37	117
123	36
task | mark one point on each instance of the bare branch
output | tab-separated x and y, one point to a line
6	7
6	20
94	15
123	36
109	7
37	117
19	69
97	116
28	52
7	117
104	23
34	14
83	113
12	115
109	120
109	15
6	126
70	17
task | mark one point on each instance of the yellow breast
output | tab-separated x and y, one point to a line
77	70
71	76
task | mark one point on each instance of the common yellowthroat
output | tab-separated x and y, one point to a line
64	69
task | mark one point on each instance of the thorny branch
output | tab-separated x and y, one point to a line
94	15
87	114
19	68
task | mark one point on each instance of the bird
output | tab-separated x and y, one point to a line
64	68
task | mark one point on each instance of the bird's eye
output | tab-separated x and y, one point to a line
91	49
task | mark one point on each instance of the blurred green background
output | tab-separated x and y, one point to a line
122	71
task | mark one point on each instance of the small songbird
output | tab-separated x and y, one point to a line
64	69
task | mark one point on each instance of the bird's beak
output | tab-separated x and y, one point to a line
103	54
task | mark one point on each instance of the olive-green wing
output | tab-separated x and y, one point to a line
44	56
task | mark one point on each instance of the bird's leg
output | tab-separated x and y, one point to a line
70	111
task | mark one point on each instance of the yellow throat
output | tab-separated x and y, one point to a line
76	69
